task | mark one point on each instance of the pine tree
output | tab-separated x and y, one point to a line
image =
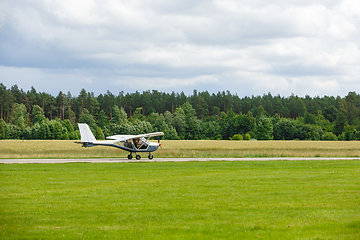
340	122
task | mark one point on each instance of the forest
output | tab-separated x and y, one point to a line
202	115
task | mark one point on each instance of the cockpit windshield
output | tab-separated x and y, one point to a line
141	143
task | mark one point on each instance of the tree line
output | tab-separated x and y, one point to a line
201	115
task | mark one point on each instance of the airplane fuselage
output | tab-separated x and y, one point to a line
151	147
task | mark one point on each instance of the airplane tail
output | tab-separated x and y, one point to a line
86	134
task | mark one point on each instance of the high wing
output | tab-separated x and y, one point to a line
128	137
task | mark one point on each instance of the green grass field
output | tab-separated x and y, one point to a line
193	200
183	148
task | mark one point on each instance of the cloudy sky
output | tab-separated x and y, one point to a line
247	47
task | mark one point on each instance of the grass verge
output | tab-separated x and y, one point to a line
193	200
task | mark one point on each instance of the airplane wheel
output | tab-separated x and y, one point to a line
129	156
150	156
138	157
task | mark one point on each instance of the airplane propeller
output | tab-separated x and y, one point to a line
159	141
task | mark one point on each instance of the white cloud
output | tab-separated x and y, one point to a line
164	84
264	46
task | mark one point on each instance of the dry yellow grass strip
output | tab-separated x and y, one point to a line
183	148
205	148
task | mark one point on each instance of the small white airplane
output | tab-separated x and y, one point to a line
130	143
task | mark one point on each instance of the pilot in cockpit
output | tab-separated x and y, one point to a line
137	143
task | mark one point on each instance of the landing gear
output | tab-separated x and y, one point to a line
138	157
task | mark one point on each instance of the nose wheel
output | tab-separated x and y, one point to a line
150	156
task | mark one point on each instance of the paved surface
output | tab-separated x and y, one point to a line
124	160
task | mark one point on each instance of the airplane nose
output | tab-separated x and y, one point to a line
159	144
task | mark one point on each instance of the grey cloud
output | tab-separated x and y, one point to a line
250	47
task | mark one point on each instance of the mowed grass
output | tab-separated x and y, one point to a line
183	148
192	200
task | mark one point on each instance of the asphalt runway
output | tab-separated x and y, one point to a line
145	160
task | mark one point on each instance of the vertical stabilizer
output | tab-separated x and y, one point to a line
86	134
